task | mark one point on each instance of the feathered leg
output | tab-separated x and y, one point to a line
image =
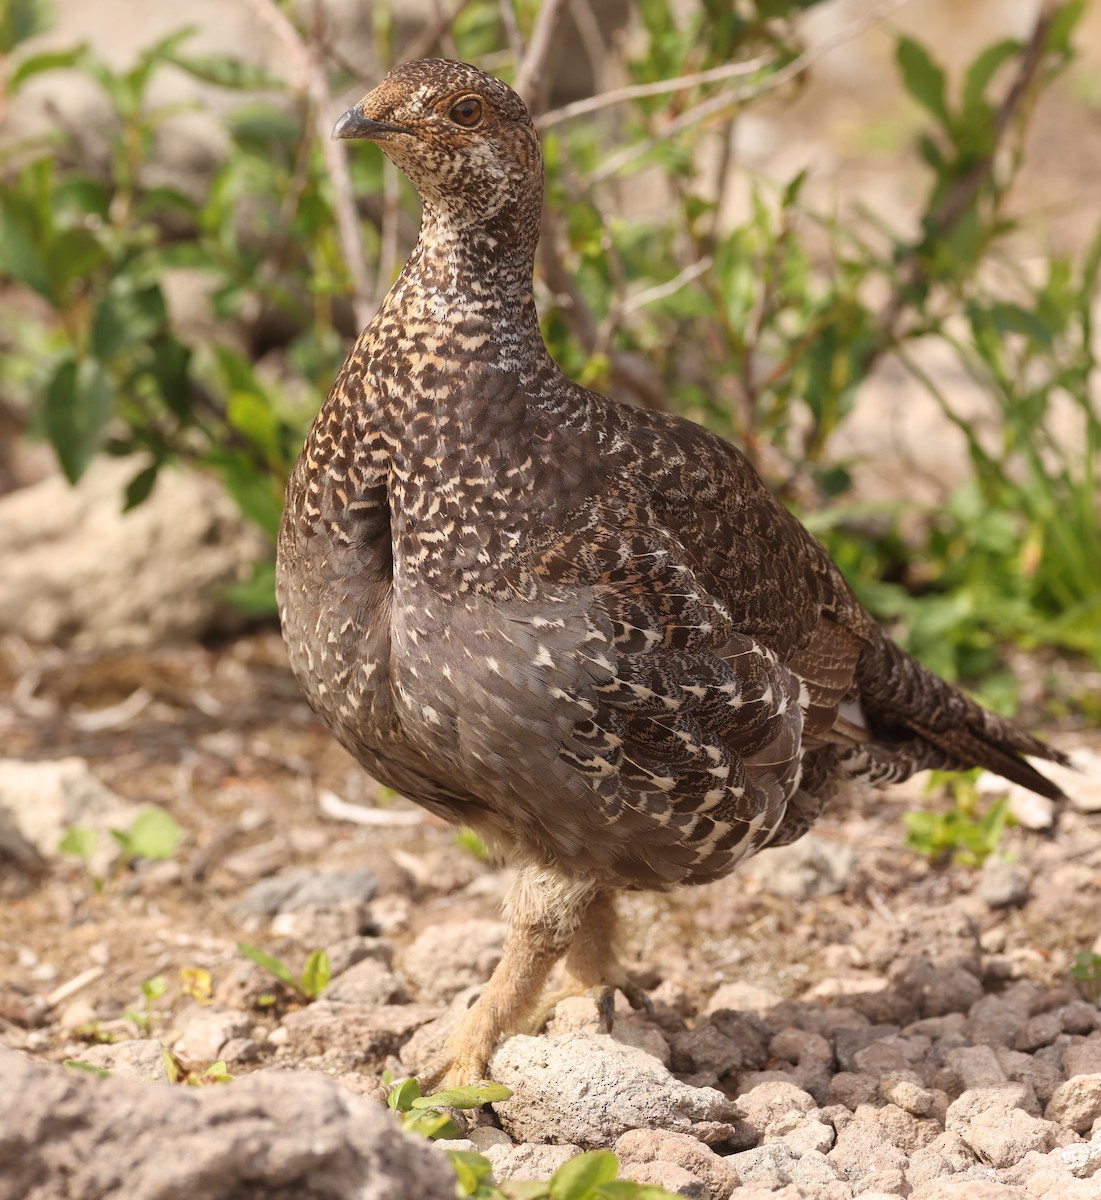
545	910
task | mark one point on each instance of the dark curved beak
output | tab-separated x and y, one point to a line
355	125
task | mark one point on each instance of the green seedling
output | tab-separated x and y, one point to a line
309	985
178	1073
152	990
1086	972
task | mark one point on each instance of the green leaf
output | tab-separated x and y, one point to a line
982	70
922	78
465	1097
139	488
273	966
257	595
52	60
20	255
21	20
401	1096
223	70
79	404
317	973
154	989
173	1068
1066	18
127	316
76	1064
576	1179
73	255
471	1170
432	1123
154	834
78	842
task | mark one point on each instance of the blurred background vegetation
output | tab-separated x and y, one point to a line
697	255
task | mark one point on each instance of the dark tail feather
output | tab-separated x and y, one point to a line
929	723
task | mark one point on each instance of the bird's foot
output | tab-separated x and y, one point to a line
603	996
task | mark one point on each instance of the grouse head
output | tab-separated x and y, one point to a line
464	138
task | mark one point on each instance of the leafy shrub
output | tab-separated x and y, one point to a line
781	339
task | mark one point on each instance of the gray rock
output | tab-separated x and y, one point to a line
1032	1070
372	1034
975	1066
206	1032
302	888
1037	1031
810	867
281	1135
588	1089
1076	1103
968	1189
1002	1137
976	1101
79	571
767	1102
800	1131
527	1160
370	983
39	801
1001	885
907	1132
1083	1058
141	1059
652	1145
669	1176
1082	1160
444	959
908	1094
863	1149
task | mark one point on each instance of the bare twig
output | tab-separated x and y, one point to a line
312	77
660	291
529	73
660	87
433	34
725	101
512	30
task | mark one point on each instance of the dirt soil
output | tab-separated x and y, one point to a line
226	744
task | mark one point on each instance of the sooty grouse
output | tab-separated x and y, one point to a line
586	630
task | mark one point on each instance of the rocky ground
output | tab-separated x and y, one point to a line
839	1018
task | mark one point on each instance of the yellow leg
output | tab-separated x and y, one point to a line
593	965
544	911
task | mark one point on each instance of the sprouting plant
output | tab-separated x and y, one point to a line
965	833
307	986
178	1073
589	1176
1087	973
77	1064
154	834
151	990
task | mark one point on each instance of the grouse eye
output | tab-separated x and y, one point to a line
467	113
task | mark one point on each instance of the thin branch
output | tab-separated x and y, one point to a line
660	87
312	77
512	30
433	34
739	96
530	72
660	291
963	193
